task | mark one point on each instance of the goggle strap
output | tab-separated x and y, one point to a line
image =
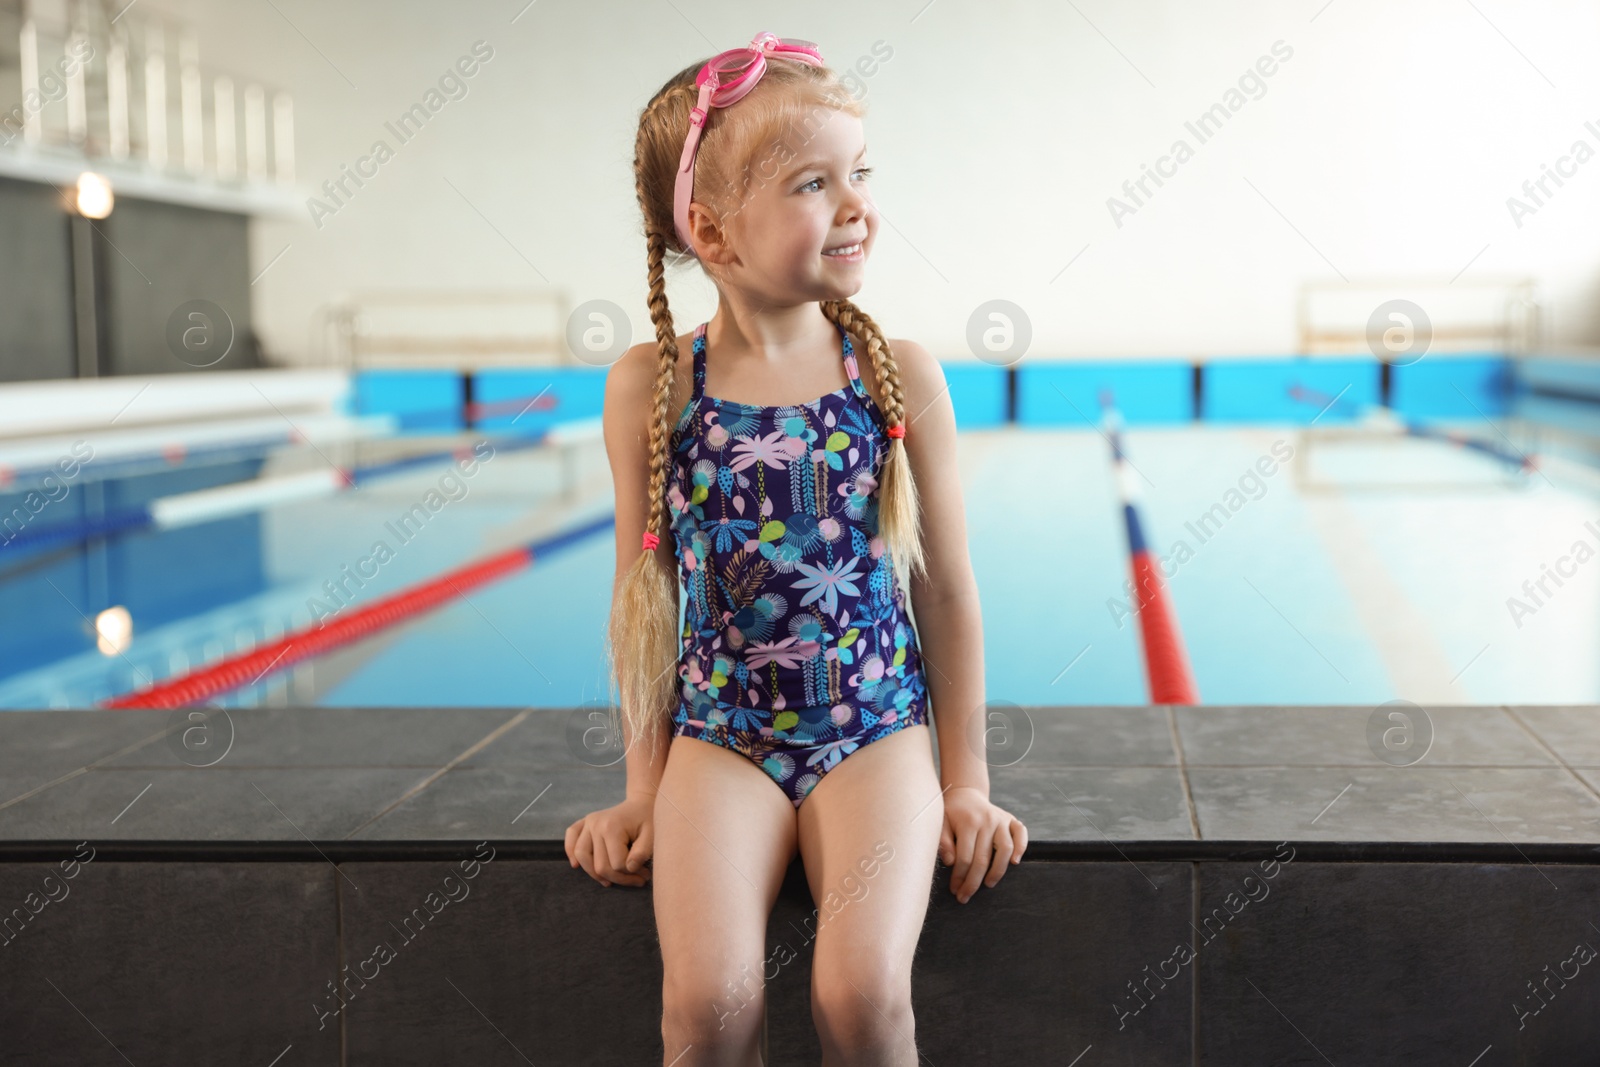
711	84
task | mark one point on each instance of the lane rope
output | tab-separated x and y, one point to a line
404	605
1523	461
238	498
163	456
1167	670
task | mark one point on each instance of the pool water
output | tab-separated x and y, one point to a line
1329	569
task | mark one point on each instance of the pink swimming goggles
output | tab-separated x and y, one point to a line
724	80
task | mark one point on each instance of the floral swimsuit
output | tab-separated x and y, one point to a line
797	649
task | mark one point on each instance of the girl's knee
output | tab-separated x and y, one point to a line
867	1011
712	1009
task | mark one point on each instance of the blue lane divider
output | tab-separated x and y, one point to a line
238	497
1521	460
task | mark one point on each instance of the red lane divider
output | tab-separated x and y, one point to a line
1166	664
486	409
248	667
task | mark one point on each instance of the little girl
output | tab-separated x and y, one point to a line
785	505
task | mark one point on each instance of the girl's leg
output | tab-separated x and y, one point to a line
724	836
882	801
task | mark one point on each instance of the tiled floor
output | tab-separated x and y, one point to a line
1152	774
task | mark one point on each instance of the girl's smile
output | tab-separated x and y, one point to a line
851	253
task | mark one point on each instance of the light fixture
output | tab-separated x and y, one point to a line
94	195
114	629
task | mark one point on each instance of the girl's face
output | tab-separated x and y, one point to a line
814	203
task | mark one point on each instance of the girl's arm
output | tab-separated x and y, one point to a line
944	600
626	425
979	839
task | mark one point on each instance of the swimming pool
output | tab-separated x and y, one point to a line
1356	571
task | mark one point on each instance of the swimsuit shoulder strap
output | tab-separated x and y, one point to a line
697	390
851	367
699	362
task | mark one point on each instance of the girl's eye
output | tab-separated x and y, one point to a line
865	172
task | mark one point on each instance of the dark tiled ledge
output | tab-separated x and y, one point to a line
234	894
1176	783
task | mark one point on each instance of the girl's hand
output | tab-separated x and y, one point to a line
978	837
601	841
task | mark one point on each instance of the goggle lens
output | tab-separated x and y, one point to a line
736	61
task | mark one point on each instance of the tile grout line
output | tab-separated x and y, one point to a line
492	736
86	768
1194	884
1582	781
1183	773
338	928
1194	975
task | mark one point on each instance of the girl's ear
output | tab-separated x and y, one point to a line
709	235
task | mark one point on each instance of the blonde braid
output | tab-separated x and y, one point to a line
899	522
642	633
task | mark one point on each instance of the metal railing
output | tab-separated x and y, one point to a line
463	330
116	83
1461	314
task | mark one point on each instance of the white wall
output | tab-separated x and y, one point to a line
1391	141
